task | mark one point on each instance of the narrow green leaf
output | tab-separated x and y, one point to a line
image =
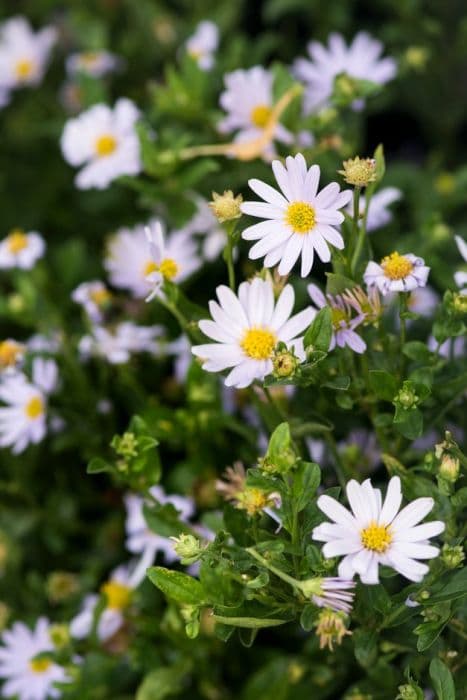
174	584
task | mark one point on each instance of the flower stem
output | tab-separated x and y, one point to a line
280	574
358	231
402	310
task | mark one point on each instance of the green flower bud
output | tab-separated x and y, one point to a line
285	364
449	468
61	585
406	397
409	692
188	548
126	445
60	636
452	555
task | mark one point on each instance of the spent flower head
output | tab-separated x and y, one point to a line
188	548
359	171
331	628
226	207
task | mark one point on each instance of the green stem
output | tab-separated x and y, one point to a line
358	231
402	311
280	574
338	467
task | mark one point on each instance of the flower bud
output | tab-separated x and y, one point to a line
225	206
416	57
459	303
406	397
188	548
452	555
61	585
284	364
449	468
60	636
409	692
126	445
359	171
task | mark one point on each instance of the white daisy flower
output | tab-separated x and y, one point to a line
397	273
118	591
23	419
378	213
173	257
181	349
93	63
105	142
116	345
375	533
202	45
93	297
135	263
361	60
247	328
4	96
21	249
23	54
248	101
140	539
298	220
460	276
27	677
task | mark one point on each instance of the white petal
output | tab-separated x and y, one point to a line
336	512
392	502
268	193
412	514
420	532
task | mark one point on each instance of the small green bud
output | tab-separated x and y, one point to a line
188	548
459	303
126	445
285	364
60	636
226	207
452	555
359	171
406	397
61	585
409	692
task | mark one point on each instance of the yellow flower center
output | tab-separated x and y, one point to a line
34	407
118	595
40	665
252	500
338	315
9	352
258	343
300	216
396	266
260	116
196	53
105	145
100	296
17	241
24	68
89	58
376	537
168	268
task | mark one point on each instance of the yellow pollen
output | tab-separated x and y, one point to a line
89	58
105	145
396	266
9	352
34	407
376	537
258	343
100	296
300	216
260	116
40	665
118	595
252	500
168	268
23	69
338	315
149	267
17	241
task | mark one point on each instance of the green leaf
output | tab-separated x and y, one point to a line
383	384
366	647
380	168
456	588
409	423
318	335
443	683
338	384
161	683
249	622
98	465
178	586
336	284
418	351
428	632
307	478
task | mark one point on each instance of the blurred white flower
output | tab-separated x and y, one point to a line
298	219
361	60
24	418
247	328
202	45
23	54
378	213
140	539
105	142
173	257
117	344
27	677
118	591
375	533
461	276
21	249
397	273
93	63
248	101
205	224
93	297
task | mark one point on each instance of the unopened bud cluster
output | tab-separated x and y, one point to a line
359	171
226	207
